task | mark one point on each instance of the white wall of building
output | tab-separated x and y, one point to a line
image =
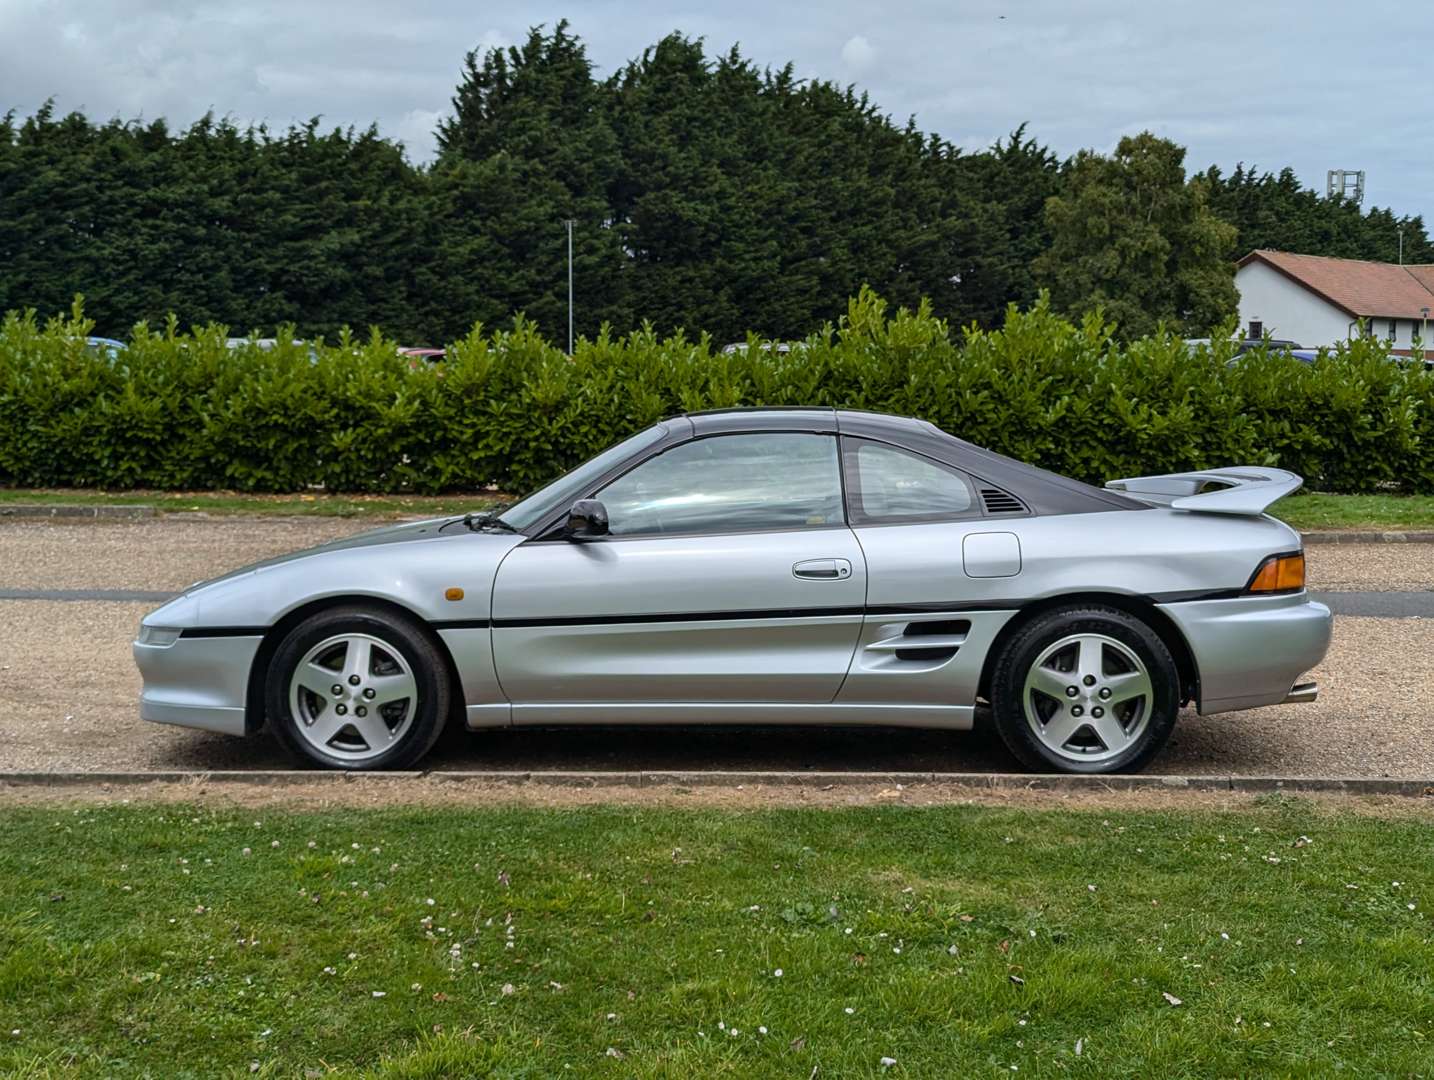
1287	310
1405	330
1293	313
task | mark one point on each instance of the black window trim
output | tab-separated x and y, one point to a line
552	529
852	485
544	529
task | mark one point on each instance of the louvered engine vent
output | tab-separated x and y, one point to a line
997	501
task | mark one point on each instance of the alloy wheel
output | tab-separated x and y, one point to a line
1088	697
353	696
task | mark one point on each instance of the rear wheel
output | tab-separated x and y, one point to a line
356	688
1085	689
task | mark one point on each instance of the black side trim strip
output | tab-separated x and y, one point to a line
963	605
1188	595
683	616
929	607
462	624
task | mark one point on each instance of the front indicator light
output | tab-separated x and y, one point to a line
159	636
1279	573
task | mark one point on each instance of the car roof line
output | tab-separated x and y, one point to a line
737	409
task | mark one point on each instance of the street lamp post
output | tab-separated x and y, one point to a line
570	223
1423	330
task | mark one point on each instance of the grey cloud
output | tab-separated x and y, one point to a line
1271	83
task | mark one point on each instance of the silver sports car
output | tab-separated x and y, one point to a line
791	566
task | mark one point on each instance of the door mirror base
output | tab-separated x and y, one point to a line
587	520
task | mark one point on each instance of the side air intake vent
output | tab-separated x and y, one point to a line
942	639
938	640
997	501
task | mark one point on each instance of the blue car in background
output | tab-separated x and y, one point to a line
1287	348
1309	356
1274	346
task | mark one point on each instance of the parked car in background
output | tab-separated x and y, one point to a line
1294	350
108	347
268	345
793	566
1290	349
780	348
1273	347
419	357
1271	344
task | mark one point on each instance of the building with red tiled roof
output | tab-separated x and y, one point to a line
1315	300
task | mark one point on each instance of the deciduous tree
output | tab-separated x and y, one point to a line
1130	236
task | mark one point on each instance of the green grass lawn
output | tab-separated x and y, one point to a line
1385	512
1280	940
1302	511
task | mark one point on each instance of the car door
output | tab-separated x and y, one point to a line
729	576
943	577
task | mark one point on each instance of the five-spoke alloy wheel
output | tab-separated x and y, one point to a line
1088	689
356	688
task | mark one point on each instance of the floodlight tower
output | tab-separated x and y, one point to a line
1346	183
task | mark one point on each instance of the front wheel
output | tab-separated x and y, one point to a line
1085	689
356	688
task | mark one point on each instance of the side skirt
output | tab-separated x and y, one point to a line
950	717
498	715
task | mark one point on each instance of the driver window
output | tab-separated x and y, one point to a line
730	483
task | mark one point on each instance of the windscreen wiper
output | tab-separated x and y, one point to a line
485	522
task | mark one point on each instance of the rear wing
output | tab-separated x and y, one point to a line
1246	490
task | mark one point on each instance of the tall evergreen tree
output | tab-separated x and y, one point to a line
708	193
50	210
1274	210
754	200
528	147
1011	183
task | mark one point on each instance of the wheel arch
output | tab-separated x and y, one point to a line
254	711
1146	610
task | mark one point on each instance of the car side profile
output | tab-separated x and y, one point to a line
791	566
420	357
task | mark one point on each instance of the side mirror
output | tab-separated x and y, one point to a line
587	520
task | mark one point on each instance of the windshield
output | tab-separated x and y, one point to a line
565	490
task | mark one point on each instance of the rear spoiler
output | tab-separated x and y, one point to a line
1246	490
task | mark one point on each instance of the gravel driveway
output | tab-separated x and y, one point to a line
68	688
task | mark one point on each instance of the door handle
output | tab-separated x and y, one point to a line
823	569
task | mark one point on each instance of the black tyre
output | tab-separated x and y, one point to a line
357	688
1085	689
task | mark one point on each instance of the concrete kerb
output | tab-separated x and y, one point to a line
1239	785
1366	536
76	510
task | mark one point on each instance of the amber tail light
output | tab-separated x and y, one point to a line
1279	573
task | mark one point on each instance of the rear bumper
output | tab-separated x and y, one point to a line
1250	651
197	682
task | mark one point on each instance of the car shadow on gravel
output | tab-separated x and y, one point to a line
631	749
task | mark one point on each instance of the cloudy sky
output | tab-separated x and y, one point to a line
1313	84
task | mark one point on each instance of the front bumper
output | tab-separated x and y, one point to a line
198	682
1250	651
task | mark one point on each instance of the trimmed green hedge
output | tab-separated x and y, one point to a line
510	410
